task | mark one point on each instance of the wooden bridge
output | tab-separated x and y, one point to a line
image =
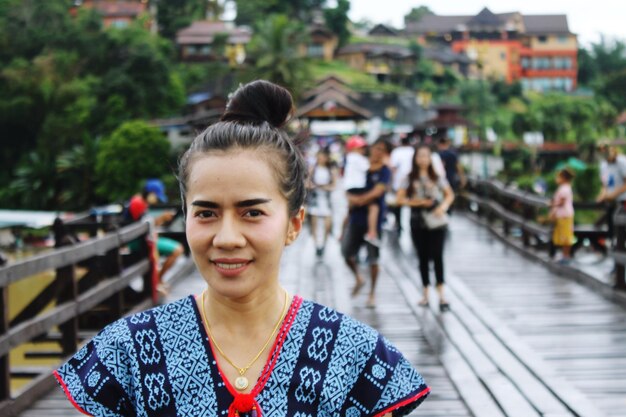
525	337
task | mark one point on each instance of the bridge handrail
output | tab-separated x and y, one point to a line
43	323
68	255
104	284
486	192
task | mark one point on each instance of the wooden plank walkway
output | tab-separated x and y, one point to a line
519	341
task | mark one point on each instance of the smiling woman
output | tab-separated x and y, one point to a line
244	347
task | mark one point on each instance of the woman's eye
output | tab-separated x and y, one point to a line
254	213
205	214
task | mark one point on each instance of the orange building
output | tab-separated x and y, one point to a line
537	50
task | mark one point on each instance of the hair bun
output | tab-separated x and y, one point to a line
257	102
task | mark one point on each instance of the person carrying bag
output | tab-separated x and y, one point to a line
429	196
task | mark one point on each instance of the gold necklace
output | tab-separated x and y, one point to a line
241	383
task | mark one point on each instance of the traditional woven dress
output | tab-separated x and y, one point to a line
161	363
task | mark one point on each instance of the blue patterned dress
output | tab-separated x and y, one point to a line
160	363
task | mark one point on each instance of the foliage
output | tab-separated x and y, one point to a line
337	21
565	118
613	89
135	151
173	15
603	68
196	76
587	183
416	14
64	82
274	50
504	92
357	80
33	185
250	12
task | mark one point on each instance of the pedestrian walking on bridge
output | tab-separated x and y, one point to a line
244	346
429	196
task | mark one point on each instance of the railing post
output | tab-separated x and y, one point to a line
528	214
5	369
116	302
66	281
620	247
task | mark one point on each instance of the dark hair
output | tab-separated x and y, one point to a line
253	119
326	152
415	170
388	145
567	174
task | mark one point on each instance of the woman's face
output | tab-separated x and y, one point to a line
422	157
322	159
237	222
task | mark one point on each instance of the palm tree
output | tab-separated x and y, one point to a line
274	48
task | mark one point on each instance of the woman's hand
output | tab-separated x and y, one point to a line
440	210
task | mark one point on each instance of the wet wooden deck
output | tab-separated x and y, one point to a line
519	340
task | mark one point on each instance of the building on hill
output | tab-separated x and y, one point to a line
537	50
322	43
119	14
397	63
213	41
333	101
383	30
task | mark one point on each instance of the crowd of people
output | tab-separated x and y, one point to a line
378	180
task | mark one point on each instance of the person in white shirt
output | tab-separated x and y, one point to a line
400	163
354	178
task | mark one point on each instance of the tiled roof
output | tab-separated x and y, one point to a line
203	32
485	18
117	8
372	49
534	24
537	24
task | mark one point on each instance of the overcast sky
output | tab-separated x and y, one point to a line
587	18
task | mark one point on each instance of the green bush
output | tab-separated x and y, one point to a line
134	152
587	184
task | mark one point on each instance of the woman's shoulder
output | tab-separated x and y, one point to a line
120	331
343	324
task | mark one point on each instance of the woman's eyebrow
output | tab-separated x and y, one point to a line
252	202
240	204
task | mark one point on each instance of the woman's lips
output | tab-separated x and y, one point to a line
231	267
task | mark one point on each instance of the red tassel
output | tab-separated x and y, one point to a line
244	403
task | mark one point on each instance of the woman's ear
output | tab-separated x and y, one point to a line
295	227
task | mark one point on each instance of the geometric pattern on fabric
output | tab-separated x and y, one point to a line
160	363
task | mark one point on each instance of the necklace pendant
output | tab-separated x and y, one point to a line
241	383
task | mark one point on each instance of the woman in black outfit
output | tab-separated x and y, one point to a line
427	194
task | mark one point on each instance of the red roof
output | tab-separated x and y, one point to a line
117	8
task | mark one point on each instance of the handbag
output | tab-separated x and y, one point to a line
432	221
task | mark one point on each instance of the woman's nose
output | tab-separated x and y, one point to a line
229	235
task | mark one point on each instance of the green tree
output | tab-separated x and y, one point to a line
34	184
613	88
337	20
76	170
274	49
173	15
135	151
588	70
416	14
250	12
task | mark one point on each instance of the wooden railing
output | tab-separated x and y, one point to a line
521	215
619	253
81	305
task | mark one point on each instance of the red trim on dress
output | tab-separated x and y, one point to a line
68	394
405	402
296	302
